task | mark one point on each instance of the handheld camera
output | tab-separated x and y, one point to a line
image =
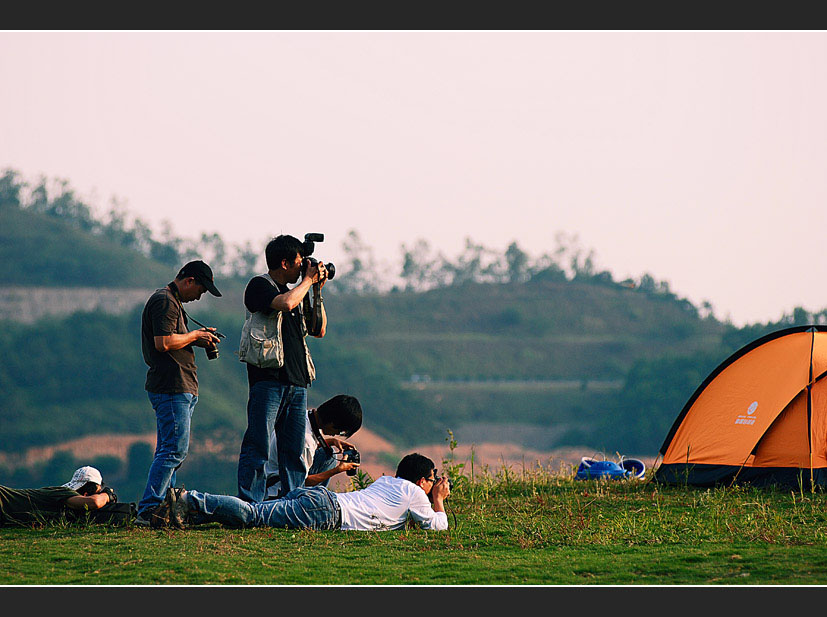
351	455
309	246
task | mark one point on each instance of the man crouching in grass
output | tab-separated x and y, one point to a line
385	504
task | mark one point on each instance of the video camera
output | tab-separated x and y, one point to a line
351	455
309	246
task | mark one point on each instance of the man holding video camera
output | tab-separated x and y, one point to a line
416	492
171	380
279	366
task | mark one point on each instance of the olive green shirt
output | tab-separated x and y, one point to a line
22	506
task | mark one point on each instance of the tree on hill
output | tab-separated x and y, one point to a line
56	200
420	268
10	189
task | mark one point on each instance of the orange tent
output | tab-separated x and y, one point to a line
760	417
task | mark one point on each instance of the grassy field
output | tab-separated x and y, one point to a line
524	527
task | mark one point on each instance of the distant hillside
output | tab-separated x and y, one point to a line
537	330
37	249
533	363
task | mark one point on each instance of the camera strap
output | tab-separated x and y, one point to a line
190	317
313	314
317	433
217	333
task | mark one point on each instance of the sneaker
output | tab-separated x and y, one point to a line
179	512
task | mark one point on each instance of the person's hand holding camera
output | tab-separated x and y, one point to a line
312	270
322	274
346	466
113	498
440	490
338	443
206	338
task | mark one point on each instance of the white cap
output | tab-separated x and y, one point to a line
82	476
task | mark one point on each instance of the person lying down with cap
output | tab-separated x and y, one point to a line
24	506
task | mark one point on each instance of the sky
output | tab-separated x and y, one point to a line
696	157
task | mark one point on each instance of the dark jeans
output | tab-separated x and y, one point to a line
272	404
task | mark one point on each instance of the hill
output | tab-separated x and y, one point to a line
37	249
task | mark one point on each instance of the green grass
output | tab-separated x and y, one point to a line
525	527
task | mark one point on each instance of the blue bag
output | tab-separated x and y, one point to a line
591	469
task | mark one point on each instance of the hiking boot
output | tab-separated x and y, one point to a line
141	521
159	516
179	513
154	518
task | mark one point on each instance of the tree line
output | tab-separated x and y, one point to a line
57	199
421	267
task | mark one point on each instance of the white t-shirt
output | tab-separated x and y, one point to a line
385	504
271	467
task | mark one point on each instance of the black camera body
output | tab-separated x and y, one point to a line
351	455
309	246
448	480
212	352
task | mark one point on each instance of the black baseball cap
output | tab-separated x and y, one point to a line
202	273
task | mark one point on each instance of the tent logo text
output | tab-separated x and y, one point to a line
749	418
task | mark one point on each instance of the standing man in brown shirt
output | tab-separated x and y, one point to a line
171	381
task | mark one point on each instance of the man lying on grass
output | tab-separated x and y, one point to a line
385	504
24	506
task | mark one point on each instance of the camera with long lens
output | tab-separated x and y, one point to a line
350	455
309	246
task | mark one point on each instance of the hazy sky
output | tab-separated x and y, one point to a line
698	157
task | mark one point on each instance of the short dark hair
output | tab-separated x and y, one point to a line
343	411
414	466
280	248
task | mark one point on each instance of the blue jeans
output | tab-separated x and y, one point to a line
302	508
173	413
272	404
